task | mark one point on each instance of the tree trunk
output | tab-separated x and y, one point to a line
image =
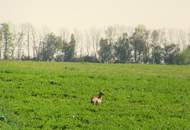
0	53
135	53
28	46
6	50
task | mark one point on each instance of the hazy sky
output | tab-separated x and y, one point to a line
89	13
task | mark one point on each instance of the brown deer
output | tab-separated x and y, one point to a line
95	100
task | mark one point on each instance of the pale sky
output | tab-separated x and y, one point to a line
97	13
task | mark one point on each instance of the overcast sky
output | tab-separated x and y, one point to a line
97	13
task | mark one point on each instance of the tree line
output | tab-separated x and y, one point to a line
113	45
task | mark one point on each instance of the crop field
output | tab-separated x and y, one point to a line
53	96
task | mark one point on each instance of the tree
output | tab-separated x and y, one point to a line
79	40
146	51
7	39
30	39
0	43
182	40
155	37
157	54
184	56
88	41
123	49
18	40
69	48
50	44
111	33
105	52
188	37
138	40
156	50
60	48
95	36
34	39
170	53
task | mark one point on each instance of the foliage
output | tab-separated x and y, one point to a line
157	54
7	38
106	51
69	49
142	45
183	57
50	45
138	40
123	49
170	53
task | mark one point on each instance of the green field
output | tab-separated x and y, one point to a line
49	95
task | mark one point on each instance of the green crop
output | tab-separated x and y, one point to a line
50	96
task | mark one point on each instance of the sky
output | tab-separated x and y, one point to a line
97	13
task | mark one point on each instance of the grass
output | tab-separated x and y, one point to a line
49	95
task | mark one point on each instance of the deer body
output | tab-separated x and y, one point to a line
97	99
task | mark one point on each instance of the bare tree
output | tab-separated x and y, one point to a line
17	41
29	32
79	37
1	37
28	39
182	39
188	35
111	33
34	45
7	39
41	45
162	37
88	42
95	36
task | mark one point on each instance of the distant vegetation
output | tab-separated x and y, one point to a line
115	45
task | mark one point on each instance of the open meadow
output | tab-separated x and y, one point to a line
52	95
